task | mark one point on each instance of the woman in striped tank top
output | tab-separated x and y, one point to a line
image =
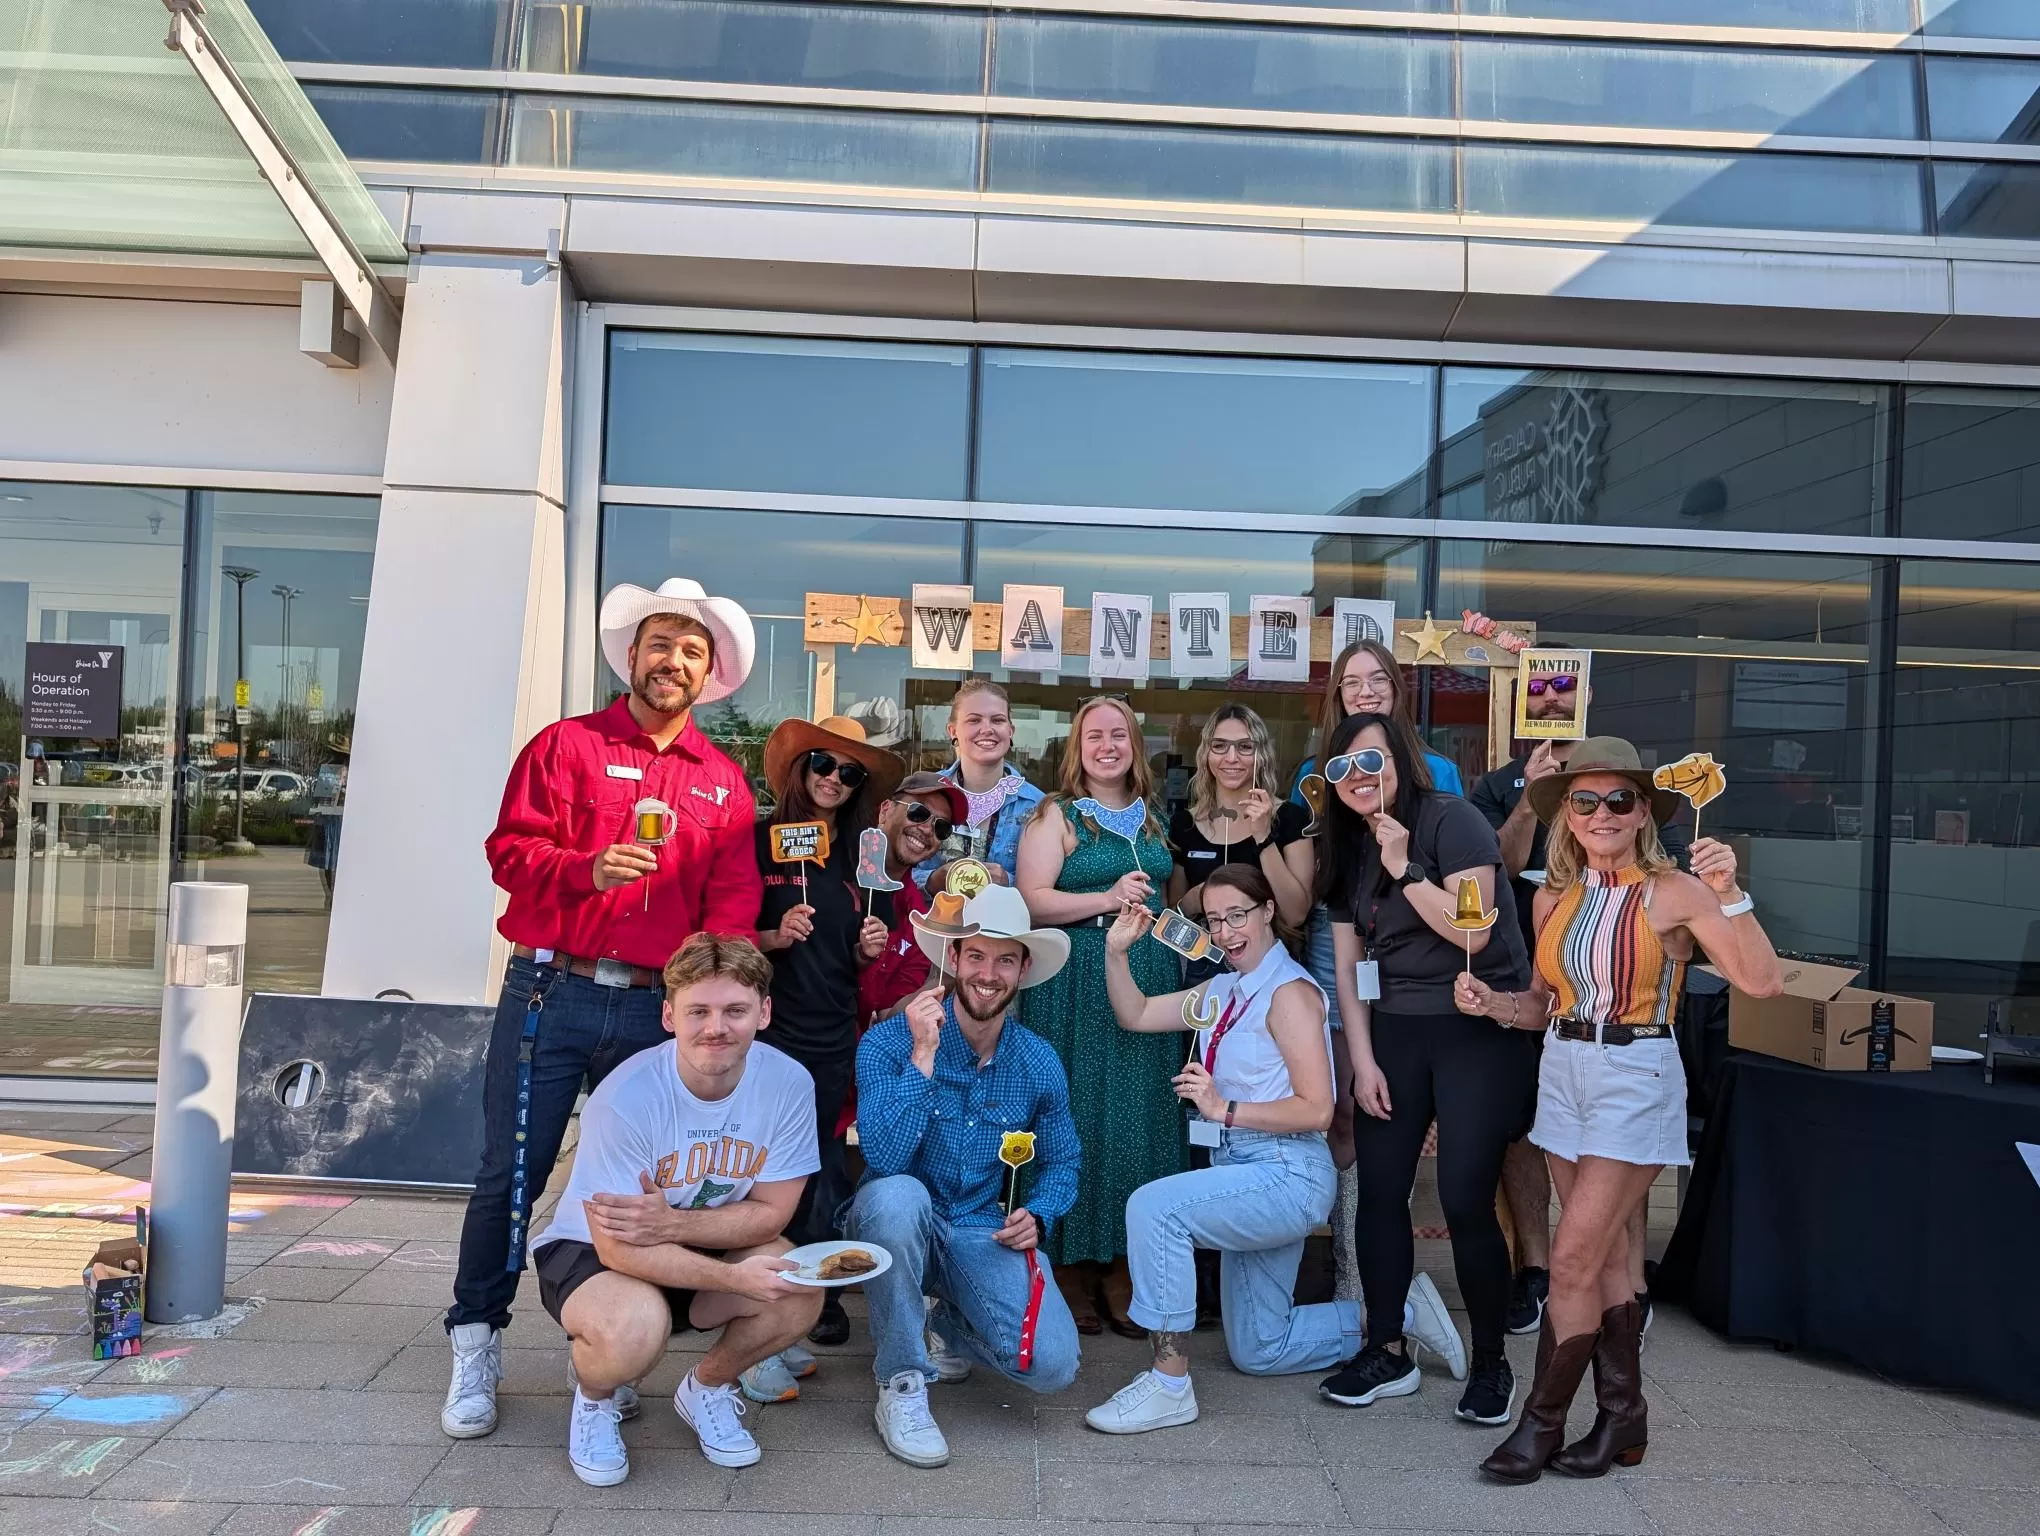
1616	924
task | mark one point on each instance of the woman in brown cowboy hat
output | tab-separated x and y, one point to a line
814	929
1616	924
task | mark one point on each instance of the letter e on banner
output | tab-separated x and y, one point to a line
1031	630
1200	634
1122	634
944	637
1278	639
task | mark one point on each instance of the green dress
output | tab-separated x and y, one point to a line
1128	1116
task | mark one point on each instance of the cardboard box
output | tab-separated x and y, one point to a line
1821	1020
113	1284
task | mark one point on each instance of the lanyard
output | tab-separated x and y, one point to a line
1236	1009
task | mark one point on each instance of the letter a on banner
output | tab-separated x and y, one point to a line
942	628
1278	639
1200	634
1031	631
1122	634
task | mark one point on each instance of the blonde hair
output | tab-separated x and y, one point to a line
973	685
1204	789
1070	779
707	955
1563	859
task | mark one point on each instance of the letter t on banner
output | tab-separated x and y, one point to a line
1122	635
1200	634
1278	639
942	628
1031	630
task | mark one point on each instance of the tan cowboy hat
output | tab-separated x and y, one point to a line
1600	754
728	625
840	735
1000	912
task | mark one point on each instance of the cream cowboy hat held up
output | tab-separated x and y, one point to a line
1000	912
626	607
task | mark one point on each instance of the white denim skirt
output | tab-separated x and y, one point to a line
1622	1102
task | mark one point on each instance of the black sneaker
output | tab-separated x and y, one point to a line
833	1326
1490	1394
1375	1372
1527	1296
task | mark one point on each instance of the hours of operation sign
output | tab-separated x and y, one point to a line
72	690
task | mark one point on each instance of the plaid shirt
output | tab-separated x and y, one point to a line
945	1130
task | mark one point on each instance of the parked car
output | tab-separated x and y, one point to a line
261	783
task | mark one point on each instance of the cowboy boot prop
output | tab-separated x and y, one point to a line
1621	1428
1541	1431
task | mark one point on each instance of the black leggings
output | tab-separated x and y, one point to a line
1481	1083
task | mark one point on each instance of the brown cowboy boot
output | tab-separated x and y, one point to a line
1541	1431
1621	1429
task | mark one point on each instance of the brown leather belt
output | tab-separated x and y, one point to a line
1611	1034
604	973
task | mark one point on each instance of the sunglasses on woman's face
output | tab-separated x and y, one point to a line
848	774
1562	683
918	813
1369	760
1620	802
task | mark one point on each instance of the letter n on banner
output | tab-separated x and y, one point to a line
1122	635
1200	634
942	629
1278	639
1031	630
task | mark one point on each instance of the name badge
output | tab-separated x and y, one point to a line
1205	1133
1367	980
624	771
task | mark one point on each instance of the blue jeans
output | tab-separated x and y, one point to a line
1322	960
584	1033
1261	1197
980	1288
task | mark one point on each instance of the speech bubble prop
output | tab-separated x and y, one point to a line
795	842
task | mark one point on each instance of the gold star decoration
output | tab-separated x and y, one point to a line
867	625
1430	640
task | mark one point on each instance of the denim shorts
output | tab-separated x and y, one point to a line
1626	1103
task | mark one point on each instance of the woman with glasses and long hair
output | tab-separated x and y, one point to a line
813	928
1396	853
1616	924
999	799
1092	849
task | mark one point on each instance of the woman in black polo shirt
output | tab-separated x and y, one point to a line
1392	855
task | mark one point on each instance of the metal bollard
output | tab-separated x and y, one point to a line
197	1067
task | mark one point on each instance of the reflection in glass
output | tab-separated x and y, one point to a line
1826	15
430	127
1972	464
1676	187
1265	68
1984	101
1998	202
1980	18
1225	434
442	34
762	413
1519	81
1199	165
1661	452
745	41
679	138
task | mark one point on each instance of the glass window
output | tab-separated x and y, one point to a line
1759	191
1661	452
1269	68
847	47
432	127
1980	18
1965	768
1972	464
756	413
1998	202
1233	434
1826	15
444	34
1984	101
1514	80
680	138
1198	165
284	607
1760	660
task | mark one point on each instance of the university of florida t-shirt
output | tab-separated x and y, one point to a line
642	1119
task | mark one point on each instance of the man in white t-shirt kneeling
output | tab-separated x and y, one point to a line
692	1157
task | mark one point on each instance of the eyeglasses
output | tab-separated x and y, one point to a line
850	775
1564	682
918	813
1369	760
1232	749
1620	802
1227	922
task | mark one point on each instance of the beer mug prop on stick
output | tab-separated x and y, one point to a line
796	842
651	826
1468	917
1698	777
871	875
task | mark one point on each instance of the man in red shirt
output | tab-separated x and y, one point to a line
622	833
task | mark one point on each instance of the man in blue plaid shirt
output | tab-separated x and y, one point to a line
939	1087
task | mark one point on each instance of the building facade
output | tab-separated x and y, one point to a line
1705	337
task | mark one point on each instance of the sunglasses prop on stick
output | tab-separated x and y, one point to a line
1468	917
796	842
1016	1150
1698	777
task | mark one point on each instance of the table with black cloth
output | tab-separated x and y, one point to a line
1884	1218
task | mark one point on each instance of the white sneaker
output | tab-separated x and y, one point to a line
799	1362
949	1365
716	1415
595	1443
470	1409
1144	1404
625	1397
769	1381
904	1423
1431	1327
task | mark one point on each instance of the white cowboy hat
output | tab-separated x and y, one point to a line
626	607
1000	912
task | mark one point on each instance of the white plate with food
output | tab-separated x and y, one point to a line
838	1263
1956	1053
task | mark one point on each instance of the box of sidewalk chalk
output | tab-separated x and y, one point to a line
113	1281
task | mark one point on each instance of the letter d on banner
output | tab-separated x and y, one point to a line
1031	630
1200	634
1122	635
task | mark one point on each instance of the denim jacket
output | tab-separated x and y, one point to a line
1004	848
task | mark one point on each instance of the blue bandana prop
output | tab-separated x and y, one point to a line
1127	822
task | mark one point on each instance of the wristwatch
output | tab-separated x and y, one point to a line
1413	874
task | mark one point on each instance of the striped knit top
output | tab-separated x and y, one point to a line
1600	957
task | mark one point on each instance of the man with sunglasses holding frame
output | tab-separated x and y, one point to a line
916	820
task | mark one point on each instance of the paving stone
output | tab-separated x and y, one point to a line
31	1362
100	1409
316	1252
385	1520
262	1472
444	1255
290	1414
1862	1406
32	1309
1961	1461
64	1464
633	1522
1434	1500
107	1517
286	1217
923	1525
822	1482
235	1362
337	1321
1805	1457
1980	1511
1116	1491
974	1427
1693	1507
295	1282
427	1367
377	1217
1359	1439
477	1473
1978	1416
388	1285
1232	1439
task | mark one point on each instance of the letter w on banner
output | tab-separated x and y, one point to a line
942	629
1122	635
1200	634
1031	630
1278	639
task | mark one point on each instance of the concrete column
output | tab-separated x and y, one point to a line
461	663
